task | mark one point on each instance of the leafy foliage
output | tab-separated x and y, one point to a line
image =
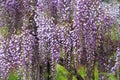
110	76
82	71
13	76
96	73
61	73
4	30
115	33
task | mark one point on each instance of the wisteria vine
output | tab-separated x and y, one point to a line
44	33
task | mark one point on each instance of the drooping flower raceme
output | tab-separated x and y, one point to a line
71	32
10	57
16	52
90	22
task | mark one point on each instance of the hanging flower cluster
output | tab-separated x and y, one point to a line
16	52
10	57
67	32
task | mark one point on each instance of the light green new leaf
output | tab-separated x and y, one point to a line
4	31
114	32
82	71
96	73
61	73
110	76
13	76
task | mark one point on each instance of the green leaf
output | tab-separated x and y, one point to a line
74	78
96	73
110	76
62	54
13	76
4	30
114	33
18	32
61	73
82	71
